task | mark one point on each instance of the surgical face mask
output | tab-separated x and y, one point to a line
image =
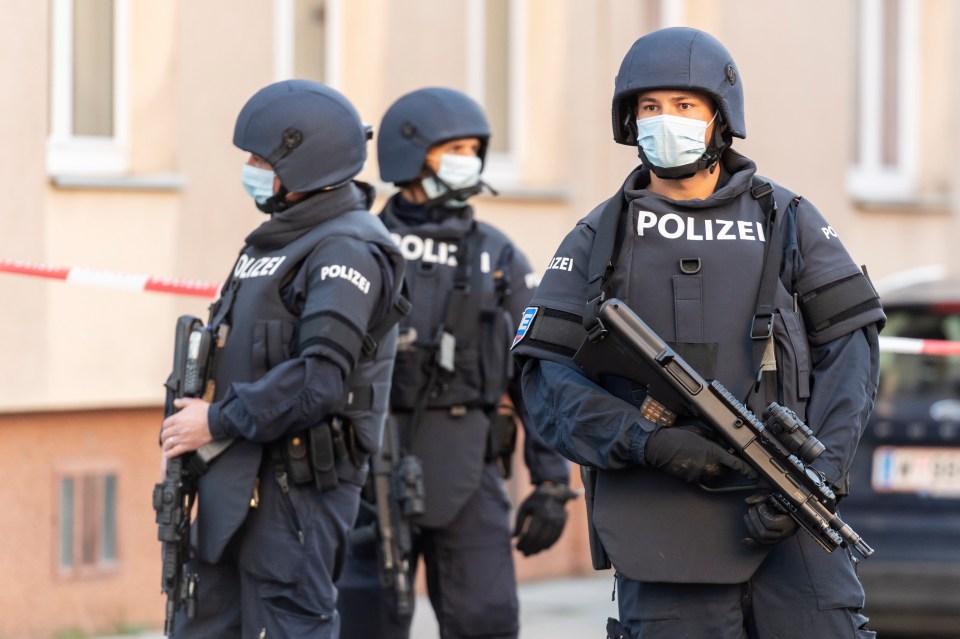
456	172
670	140
258	183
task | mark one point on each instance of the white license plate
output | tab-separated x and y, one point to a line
932	471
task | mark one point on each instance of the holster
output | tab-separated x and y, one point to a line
502	441
313	455
598	554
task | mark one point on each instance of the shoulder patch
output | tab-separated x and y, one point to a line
525	320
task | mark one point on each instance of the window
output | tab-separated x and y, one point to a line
885	148
495	40
307	36
88	110
87	530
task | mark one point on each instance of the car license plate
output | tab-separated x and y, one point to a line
933	471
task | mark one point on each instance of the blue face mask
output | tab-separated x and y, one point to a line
671	140
258	183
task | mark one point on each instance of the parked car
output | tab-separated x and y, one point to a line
905	480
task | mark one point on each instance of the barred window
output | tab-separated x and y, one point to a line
87	522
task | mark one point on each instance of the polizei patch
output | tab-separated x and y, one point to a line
525	320
672	227
354	276
247	267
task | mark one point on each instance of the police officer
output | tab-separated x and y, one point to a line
304	374
468	284
686	252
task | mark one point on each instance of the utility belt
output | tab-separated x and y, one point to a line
321	454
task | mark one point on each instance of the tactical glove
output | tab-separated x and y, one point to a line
685	454
766	523
541	517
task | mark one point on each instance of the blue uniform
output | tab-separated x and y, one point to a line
681	567
268	550
464	532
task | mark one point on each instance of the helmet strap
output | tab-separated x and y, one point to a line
450	194
276	202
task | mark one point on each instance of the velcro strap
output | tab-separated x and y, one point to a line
334	330
834	302
560	329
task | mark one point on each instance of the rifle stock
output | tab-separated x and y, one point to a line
628	348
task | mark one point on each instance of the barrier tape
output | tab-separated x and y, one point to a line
913	346
111	279
140	283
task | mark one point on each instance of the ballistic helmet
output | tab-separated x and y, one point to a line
309	133
677	58
423	119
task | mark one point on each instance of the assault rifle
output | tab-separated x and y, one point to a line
397	497
173	499
779	449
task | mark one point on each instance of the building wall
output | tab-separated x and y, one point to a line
82	368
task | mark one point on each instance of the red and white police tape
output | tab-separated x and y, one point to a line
111	279
912	346
140	283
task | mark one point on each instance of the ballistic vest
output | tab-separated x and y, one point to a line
264	333
437	278
692	271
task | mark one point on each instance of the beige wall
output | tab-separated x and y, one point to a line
82	347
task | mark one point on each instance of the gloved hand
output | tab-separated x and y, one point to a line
766	523
684	453
541	517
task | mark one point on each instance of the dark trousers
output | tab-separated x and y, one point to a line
269	583
799	591
469	572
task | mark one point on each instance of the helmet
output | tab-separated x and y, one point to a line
420	120
677	58
309	133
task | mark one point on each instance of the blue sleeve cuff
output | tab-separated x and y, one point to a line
217	428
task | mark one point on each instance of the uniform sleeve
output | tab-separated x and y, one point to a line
845	376
581	420
544	463
834	294
339	290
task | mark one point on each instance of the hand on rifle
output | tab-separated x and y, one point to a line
684	453
187	429
766	523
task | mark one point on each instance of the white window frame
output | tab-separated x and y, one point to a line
284	41
502	169
869	180
78	154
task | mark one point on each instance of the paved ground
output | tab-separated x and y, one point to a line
556	609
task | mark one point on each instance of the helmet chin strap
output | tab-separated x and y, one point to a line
709	160
461	196
276	202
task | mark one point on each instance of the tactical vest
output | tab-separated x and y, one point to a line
696	278
264	333
463	298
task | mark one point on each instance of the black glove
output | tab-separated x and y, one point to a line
688	455
766	523
541	517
